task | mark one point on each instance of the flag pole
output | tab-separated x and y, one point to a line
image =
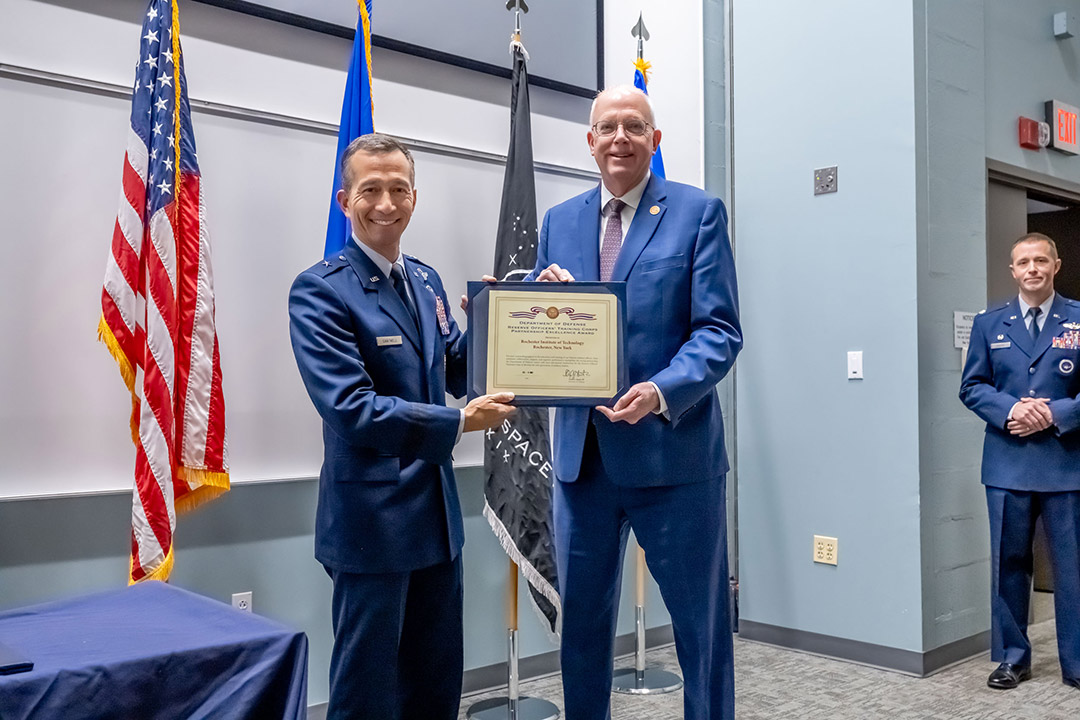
513	698
641	679
514	706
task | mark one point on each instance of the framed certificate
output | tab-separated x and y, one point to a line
548	343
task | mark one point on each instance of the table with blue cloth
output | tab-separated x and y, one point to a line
151	651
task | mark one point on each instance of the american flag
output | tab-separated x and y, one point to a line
158	305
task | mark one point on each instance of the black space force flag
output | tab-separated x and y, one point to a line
517	491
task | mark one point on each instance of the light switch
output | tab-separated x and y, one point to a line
854	365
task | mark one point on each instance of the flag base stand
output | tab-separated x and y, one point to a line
650	681
513	706
641	680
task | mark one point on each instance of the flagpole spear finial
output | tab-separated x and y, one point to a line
642	34
517	7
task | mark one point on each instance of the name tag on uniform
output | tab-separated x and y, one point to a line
388	340
1000	345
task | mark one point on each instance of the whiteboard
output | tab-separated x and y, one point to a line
63	407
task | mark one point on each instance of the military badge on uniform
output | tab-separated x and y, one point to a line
1069	340
440	314
1071	326
1001	337
1066	366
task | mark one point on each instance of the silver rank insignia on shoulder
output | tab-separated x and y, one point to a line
1070	325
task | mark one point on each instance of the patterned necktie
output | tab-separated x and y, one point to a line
609	250
398	276
1034	329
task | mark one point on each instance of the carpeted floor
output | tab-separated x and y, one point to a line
776	684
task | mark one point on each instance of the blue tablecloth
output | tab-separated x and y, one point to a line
151	651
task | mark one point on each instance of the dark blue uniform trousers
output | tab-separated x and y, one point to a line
683	530
1012	528
398	647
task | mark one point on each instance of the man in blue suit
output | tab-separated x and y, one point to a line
377	349
655	461
1021	378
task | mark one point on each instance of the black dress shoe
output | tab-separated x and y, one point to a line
1075	682
1008	676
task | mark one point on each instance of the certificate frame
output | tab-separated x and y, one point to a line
533	294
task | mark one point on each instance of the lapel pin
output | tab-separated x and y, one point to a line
1012	317
374	278
654	210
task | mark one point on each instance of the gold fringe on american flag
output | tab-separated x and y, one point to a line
158	305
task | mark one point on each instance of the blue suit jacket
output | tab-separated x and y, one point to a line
682	331
1002	367
387	499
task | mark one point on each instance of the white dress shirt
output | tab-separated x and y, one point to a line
1044	311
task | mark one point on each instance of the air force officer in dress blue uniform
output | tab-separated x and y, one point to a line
655	461
1021	378
377	349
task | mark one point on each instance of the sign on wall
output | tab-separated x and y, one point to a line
1062	119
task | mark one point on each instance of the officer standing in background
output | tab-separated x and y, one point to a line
1021	378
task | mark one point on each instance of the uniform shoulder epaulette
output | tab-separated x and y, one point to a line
329	265
417	260
1071	302
994	308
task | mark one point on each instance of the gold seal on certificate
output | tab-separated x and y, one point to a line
548	343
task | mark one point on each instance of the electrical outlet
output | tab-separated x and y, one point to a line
242	601
825	180
825	549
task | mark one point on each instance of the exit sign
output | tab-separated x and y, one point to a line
1062	121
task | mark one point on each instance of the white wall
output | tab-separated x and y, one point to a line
675	85
266	200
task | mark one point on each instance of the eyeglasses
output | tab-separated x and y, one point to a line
632	126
